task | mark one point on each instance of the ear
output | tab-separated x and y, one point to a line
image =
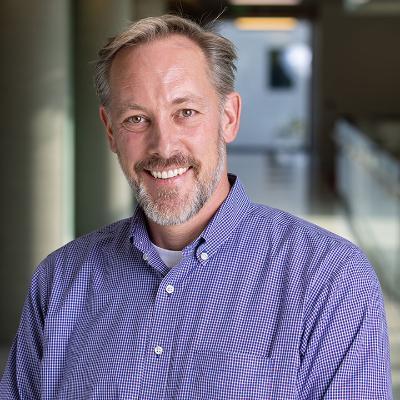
231	116
105	118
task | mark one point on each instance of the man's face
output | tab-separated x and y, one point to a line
166	125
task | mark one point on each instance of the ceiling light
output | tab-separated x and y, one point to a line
265	2
265	23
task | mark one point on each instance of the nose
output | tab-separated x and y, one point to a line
163	140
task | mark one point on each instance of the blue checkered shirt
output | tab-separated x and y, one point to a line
263	305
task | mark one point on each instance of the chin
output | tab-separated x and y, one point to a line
162	214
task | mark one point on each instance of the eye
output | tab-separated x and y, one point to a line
136	119
135	122
187	112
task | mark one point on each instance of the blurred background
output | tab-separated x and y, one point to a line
320	133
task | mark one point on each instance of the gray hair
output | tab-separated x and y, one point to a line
219	52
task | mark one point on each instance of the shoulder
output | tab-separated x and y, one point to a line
312	252
282	225
80	257
83	246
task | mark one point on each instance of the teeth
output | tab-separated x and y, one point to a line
168	174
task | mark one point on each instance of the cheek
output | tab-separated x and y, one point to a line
129	147
205	137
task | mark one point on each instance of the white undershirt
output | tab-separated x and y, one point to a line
170	257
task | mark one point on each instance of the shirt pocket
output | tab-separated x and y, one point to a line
230	375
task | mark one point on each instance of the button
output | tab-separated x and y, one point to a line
169	289
204	256
158	350
145	257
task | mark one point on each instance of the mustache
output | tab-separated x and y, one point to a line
178	160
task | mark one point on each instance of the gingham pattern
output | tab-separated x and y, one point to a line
264	306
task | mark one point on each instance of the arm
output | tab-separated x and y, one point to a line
21	379
345	351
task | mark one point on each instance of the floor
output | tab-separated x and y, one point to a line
283	181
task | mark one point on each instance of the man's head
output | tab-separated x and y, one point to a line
166	89
219	51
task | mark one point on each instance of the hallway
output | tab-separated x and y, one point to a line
282	180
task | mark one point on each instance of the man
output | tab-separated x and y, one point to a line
201	294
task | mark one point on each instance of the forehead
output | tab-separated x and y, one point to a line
165	58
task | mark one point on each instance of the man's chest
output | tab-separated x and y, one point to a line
177	337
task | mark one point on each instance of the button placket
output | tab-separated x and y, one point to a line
163	326
169	289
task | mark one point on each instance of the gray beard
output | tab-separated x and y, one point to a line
159	210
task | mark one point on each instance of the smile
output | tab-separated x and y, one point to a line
169	173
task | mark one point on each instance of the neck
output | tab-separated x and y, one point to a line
176	237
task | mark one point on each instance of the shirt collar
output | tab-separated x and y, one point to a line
220	227
227	218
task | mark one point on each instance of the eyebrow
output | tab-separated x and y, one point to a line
176	101
188	99
133	106
124	107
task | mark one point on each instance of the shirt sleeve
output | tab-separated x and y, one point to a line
21	378
345	350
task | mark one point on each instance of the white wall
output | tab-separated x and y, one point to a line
268	114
